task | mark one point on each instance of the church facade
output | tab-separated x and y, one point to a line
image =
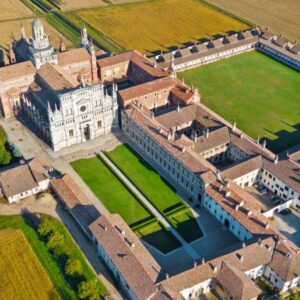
57	91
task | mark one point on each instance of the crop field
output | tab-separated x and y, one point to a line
21	274
157	191
118	199
159	25
6	28
78	4
259	93
14	9
281	15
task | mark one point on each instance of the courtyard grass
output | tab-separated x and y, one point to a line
159	24
18	259
156	190
118	199
52	265
259	93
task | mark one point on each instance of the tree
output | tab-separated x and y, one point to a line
73	267
56	243
46	226
3	136
5	156
89	290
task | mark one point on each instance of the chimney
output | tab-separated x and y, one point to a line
152	115
207	133
257	140
183	149
267	225
132	245
243	244
237	207
242	203
228	193
264	143
242	135
167	275
178	107
215	269
195	264
160	131
234	127
202	260
276	159
169	135
249	213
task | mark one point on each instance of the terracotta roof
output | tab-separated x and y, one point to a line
138	268
286	261
173	87
114	59
80	206
73	56
17	70
286	170
295	49
267	35
244	259
197	165
239	285
241	168
56	77
239	203
215	138
22	178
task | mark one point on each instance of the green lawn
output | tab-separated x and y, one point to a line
259	93
157	236
53	266
112	193
156	189
118	199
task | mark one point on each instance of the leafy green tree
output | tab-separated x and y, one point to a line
56	243
45	227
89	290
3	136
73	267
5	156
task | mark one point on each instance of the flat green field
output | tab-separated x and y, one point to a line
156	189
259	93
117	199
158	24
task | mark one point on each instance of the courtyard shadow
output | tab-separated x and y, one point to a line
285	139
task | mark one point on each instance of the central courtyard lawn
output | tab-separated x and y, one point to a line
159	24
157	191
117	199
259	93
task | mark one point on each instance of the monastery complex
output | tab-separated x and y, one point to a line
72	96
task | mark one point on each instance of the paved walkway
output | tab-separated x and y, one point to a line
47	205
188	248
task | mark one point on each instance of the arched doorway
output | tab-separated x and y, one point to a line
226	223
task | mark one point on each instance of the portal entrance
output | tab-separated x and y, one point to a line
226	223
87	132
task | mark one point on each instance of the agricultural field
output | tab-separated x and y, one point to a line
13	10
281	15
68	5
118	199
157	191
6	28
158	25
259	93
21	274
50	264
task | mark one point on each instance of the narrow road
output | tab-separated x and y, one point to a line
188	248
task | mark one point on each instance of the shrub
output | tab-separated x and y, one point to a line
56	243
73	267
46	226
88	290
